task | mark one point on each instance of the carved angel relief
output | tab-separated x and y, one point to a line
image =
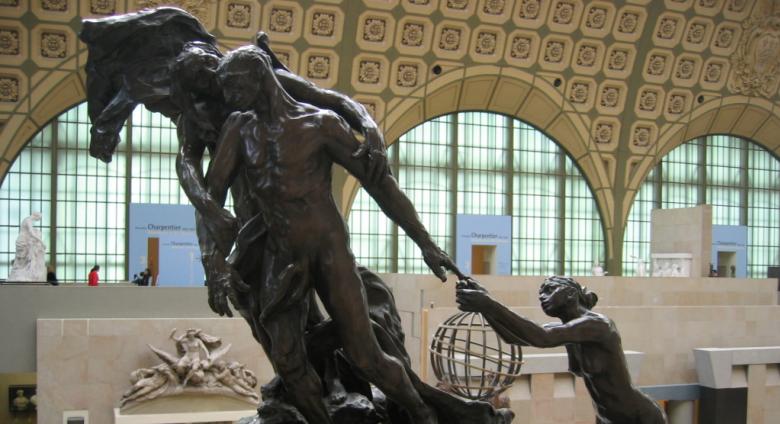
757	58
197	368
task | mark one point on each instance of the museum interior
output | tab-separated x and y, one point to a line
633	145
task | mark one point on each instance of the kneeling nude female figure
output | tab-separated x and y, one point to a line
591	339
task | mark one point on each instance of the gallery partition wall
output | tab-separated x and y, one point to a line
741	181
485	164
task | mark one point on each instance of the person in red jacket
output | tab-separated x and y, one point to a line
93	276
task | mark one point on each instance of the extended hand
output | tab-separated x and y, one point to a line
471	296
374	148
439	263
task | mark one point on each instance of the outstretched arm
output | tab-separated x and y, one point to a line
516	329
353	112
393	202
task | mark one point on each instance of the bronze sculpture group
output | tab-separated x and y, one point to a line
273	139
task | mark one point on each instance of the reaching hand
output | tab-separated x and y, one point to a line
471	296
439	263
374	148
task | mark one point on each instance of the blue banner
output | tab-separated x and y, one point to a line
174	228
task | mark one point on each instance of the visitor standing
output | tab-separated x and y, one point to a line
93	276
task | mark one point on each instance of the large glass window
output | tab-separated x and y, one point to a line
487	164
738	178
83	198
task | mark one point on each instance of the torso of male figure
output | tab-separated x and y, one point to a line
289	172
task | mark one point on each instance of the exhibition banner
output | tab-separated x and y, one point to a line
163	239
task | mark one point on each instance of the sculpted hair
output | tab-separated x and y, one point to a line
586	297
251	58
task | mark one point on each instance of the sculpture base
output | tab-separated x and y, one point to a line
354	409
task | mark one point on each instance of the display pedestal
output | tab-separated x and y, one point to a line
182	417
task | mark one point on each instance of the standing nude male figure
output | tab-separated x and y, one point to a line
286	150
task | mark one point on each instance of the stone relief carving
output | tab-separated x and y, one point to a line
486	43
53	45
9	41
521	48
369	71
407	75
494	7
198	367
736	5
685	69
656	65
54	5
238	15
450	38
553	52
757	58
713	72
281	20
529	9
458	4
676	104
587	55
323	24
9	89
30	262
648	100
374	30
596	18
610	96
413	35
667	28
641	136
102	7
724	37
564	13
618	60
629	22
696	32
603	133
579	92
319	67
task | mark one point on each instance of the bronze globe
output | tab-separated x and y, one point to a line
470	360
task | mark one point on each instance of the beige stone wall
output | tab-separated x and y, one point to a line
85	363
684	230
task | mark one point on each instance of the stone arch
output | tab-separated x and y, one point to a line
751	118
52	93
509	91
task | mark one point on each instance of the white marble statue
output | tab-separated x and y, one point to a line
597	270
29	263
198	368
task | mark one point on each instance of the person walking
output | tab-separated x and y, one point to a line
94	277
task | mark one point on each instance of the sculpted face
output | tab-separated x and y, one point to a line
553	297
240	88
198	69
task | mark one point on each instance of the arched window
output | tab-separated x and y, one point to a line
85	199
738	178
487	164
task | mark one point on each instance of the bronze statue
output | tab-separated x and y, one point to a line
591	339
293	242
286	149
